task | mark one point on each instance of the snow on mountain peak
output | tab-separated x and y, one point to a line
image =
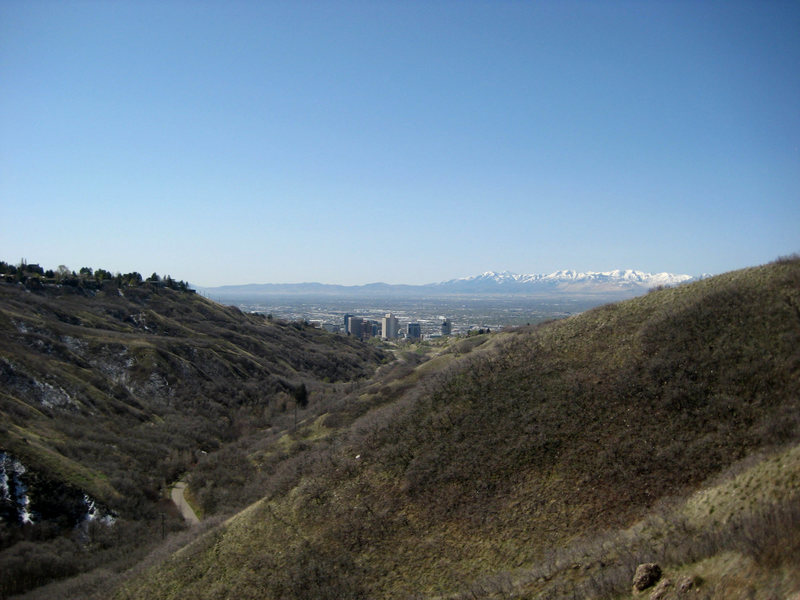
617	278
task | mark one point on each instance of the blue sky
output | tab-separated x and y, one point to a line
406	142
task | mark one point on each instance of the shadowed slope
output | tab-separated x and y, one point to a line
107	396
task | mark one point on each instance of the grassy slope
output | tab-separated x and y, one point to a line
524	451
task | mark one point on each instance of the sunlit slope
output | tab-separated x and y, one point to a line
520	448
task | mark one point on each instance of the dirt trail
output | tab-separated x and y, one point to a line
183	506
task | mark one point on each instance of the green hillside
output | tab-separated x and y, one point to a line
111	390
546	462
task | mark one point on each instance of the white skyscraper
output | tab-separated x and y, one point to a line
389	327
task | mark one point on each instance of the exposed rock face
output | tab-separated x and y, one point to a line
14	501
661	591
646	575
29	497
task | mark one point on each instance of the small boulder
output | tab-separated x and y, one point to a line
687	584
662	590
646	575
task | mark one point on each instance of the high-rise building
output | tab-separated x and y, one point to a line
347	323
414	331
355	326
368	328
389	325
447	327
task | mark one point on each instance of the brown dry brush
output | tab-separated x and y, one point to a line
769	535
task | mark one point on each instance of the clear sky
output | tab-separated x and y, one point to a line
406	142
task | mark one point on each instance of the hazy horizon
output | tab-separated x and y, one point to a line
408	143
369	283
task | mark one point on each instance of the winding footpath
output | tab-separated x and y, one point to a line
183	506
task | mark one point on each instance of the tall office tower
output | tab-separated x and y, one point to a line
389	327
447	327
414	331
355	327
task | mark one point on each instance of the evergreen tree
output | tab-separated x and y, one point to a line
300	399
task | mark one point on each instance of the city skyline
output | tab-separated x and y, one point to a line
351	142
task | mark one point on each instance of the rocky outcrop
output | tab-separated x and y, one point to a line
662	589
647	574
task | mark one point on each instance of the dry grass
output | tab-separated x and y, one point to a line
541	463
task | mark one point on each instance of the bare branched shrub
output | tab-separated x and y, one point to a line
771	536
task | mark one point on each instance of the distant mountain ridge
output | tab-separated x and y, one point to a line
618	282
617	279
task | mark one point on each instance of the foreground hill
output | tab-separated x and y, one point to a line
110	391
547	462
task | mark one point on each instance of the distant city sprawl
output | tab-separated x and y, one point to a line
416	318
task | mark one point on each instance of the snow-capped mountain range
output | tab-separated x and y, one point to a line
619	279
620	282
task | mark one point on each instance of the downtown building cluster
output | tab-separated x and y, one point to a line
388	328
